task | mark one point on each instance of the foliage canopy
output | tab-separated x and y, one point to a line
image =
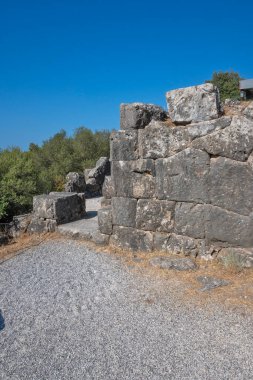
43	168
227	83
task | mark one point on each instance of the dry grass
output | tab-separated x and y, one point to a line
22	243
238	295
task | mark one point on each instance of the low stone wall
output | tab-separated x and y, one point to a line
54	209
181	182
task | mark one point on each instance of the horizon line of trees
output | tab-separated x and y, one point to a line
42	169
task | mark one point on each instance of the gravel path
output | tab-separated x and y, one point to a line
72	313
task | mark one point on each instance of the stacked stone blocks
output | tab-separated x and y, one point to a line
181	182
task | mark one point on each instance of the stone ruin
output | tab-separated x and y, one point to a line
50	210
182	181
91	181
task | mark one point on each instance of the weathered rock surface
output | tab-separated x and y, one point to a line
160	140
210	283
138	115
75	183
204	128
124	211
61	207
20	224
107	189
154	215
235	141
193	104
100	239
248	112
190	219
133	178
241	257
105	220
183	177
176	263
40	225
124	145
172	243
230	185
101	169
132	239
229	227
105	202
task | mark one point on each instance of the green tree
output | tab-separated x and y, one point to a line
227	83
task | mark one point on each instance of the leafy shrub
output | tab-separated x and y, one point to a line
227	83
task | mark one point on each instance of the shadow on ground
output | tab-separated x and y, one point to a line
2	324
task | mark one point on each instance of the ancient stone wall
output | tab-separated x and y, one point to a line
182	181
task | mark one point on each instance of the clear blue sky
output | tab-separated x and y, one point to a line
67	63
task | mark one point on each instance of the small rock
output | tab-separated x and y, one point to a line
211	282
173	263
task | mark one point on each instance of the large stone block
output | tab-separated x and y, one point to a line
235	141
154	215
190	219
62	207
75	183
41	225
160	140
101	169
107	189
172	243
204	128
133	178
183	177
231	185
132	239
124	211
105	220
229	227
248	112
193	104
138	115
124	145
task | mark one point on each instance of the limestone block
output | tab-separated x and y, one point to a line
143	185
75	182
183	177
229	227
231	185
155	215
204	128
133	178
101	169
190	219
100	239
124	145
138	115
172	243
235	141
105	202
160	140
176	263
107	189
105	220
41	225
248	112
62	207
132	239
193	104
124	211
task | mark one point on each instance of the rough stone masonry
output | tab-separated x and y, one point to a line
181	181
